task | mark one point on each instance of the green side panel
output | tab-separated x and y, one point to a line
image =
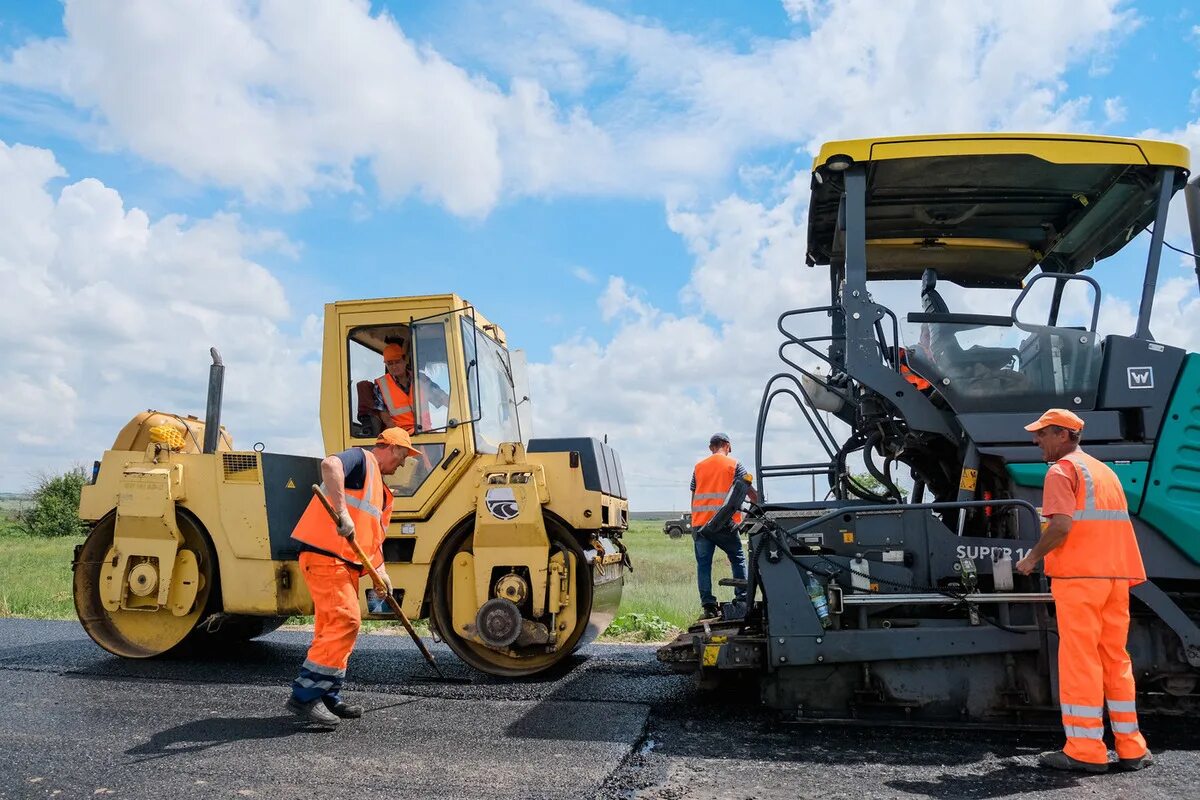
1132	475
1172	503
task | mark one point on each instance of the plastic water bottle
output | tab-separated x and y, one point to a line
816	593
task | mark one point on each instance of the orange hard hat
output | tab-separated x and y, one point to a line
397	437
393	352
1056	416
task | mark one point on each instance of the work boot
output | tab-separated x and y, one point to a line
1134	764
342	709
1060	760
314	711
710	611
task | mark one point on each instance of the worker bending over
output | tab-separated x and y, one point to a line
711	481
352	480
1092	559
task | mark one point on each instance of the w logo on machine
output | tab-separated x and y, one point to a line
1140	377
502	503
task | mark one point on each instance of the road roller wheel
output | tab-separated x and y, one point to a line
137	634
511	661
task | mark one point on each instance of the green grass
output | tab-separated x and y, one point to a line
35	581
35	575
663	582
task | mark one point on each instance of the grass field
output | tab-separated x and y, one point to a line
35	580
35	575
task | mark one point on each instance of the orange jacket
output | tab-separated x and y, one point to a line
916	380
371	509
399	405
714	478
1101	542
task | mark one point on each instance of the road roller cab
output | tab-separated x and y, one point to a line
509	545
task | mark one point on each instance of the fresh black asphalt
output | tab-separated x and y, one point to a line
77	722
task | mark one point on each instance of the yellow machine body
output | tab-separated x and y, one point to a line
185	540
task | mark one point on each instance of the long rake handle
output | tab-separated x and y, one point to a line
380	588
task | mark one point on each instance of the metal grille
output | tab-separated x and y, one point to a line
241	467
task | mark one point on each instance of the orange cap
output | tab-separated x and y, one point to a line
1056	416
393	352
397	437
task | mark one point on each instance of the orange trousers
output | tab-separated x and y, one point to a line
1094	669
333	585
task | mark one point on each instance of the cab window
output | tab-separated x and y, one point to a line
490	386
422	370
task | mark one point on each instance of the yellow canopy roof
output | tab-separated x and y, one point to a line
985	209
1057	148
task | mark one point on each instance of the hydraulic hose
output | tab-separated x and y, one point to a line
893	493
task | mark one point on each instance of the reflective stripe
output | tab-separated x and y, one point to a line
321	669
710	496
1123	706
1101	515
1096	712
311	684
363	505
386	385
1089	512
1123	727
1080	732
1089	488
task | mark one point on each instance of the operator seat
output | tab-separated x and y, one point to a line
366	425
938	340
979	371
931	299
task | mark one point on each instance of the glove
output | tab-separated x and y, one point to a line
345	525
387	580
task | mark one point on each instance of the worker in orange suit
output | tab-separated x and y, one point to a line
1092	559
352	480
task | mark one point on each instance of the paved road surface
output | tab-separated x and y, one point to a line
77	722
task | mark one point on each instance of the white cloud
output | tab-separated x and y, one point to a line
1114	110
107	312
686	107
282	98
583	274
665	382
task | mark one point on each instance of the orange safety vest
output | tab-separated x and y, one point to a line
371	509
919	383
1101	542
399	405
714	478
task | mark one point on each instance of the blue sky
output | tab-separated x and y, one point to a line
621	184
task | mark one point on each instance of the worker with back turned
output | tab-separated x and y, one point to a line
711	481
353	482
1092	560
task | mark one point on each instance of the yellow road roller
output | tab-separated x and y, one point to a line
510	546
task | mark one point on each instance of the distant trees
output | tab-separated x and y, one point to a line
54	505
869	482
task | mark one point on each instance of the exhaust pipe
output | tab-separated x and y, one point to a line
212	416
